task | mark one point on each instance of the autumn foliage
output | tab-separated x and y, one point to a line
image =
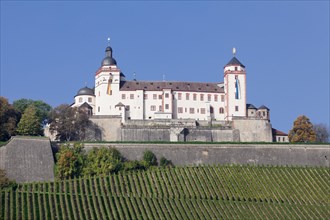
302	131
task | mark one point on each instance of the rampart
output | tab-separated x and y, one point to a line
28	159
257	154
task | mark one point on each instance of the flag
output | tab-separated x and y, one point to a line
238	89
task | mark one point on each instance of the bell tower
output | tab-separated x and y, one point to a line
107	84
235	88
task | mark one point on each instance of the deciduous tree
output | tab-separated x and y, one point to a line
9	118
70	161
103	160
69	123
30	123
302	131
42	108
322	133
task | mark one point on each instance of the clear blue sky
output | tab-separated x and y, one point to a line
50	49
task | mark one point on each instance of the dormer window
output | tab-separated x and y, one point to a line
236	68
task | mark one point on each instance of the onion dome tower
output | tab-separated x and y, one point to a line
108	60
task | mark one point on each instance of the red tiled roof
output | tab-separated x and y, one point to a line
175	86
278	132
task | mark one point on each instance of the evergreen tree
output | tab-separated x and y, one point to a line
30	123
302	131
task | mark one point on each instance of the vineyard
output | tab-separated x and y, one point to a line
202	192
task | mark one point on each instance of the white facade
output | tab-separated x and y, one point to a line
143	100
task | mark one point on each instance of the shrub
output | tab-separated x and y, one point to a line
163	162
149	158
5	182
133	165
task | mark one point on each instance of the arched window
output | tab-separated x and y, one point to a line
221	110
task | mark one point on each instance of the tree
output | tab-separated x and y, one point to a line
9	118
69	123
30	123
4	181
42	108
149	158
322	133
302	131
103	160
70	161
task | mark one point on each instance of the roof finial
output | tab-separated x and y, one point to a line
234	51
108	41
164	77
134	76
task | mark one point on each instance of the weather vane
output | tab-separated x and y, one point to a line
234	51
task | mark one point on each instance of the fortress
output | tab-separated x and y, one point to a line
175	111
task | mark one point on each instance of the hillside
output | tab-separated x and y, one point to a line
203	192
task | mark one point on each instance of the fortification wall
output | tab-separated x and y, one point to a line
252	130
28	159
110	127
188	154
145	134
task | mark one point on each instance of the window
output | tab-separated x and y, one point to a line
80	99
235	68
194	97
222	98
179	96
221	110
191	110
211	110
209	97
99	93
236	108
131	96
167	106
215	98
154	96
123	96
89	99
279	139
153	108
98	109
145	96
187	96
185	109
160	108
166	95
180	110
264	114
202	97
127	108
202	110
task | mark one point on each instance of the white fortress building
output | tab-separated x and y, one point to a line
189	103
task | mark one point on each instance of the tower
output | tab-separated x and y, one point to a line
235	88
107	84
